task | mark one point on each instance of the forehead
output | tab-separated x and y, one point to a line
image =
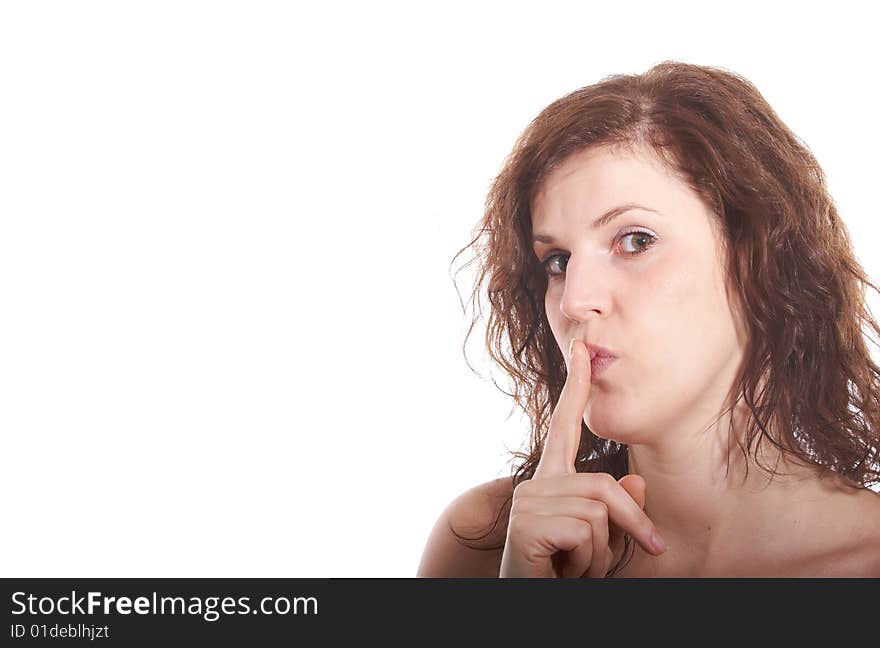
599	178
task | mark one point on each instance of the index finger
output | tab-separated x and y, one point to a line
564	435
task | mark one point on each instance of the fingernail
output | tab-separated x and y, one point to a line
657	542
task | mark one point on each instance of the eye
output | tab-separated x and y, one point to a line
640	235
549	260
641	238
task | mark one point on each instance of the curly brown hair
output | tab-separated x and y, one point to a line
791	268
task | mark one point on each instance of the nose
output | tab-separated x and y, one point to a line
586	291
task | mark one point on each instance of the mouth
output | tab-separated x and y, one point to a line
600	360
599	351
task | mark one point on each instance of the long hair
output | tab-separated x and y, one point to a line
791	268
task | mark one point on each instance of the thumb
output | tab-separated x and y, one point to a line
636	487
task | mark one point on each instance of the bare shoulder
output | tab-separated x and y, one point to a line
856	553
479	517
866	562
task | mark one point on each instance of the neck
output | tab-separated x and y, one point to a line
705	506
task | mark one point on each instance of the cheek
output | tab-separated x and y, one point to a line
688	319
662	322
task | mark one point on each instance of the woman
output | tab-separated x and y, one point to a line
729	424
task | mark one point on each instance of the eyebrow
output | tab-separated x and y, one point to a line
602	221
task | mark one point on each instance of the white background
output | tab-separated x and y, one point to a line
230	344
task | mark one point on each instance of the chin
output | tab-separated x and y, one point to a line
616	428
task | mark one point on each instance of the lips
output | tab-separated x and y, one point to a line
600	359
602	352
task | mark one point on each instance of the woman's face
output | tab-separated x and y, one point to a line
647	285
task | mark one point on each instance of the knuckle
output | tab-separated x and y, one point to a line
585	532
606	480
605	483
521	489
593	510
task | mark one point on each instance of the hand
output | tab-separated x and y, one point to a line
565	524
